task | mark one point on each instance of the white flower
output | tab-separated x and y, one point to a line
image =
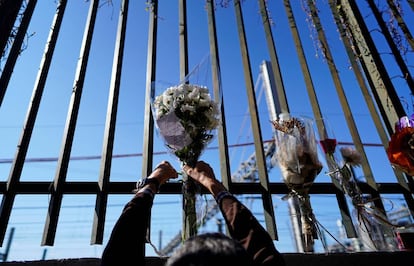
187	107
351	156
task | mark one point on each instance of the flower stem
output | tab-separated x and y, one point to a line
189	211
308	226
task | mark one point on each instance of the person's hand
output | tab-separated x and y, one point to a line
163	172
204	174
201	173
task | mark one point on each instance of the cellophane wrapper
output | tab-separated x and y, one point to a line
296	153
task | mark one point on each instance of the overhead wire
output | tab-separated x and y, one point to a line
139	154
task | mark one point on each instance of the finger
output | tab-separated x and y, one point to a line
161	164
189	172
186	168
175	175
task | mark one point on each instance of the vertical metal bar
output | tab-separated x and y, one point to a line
16	48
109	135
274	109
8	246
276	98
189	212
183	43
401	23
353	52
9	10
280	88
148	145
394	49
22	147
340	197
304	65
345	107
411	3
382	88
215	65
147	159
258	141
69	132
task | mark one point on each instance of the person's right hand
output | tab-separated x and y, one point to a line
201	172
204	174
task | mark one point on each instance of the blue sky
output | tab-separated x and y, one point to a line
73	234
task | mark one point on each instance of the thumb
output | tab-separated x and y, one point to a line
187	169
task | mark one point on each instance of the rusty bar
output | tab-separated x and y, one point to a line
258	142
69	132
109	135
353	52
23	145
401	23
382	88
394	49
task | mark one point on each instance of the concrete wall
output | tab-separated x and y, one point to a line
292	259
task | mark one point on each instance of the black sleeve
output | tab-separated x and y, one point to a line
245	228
126	245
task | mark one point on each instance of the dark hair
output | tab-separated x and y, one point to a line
210	249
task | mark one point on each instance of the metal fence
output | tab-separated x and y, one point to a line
368	42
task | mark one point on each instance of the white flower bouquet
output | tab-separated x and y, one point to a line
186	117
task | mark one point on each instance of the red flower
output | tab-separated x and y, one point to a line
328	145
401	150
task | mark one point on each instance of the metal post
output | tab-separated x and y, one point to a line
353	51
215	65
69	132
5	255
382	88
109	135
279	87
147	148
258	142
9	10
340	197
401	23
394	49
273	105
22	147
345	106
189	212
15	49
